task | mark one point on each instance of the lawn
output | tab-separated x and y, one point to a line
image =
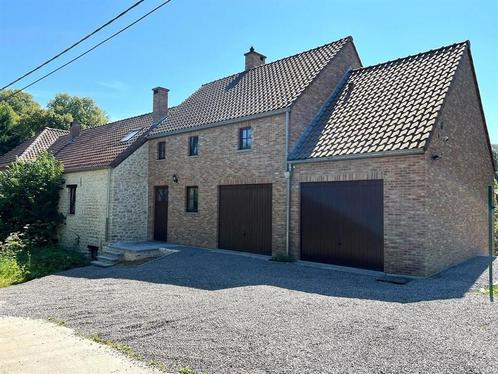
30	263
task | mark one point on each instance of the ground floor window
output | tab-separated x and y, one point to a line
72	198
192	198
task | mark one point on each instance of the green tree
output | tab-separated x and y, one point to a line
21	117
82	109
29	198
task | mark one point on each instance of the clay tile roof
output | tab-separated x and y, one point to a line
97	147
101	146
34	146
261	89
386	107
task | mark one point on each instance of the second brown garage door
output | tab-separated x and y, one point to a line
342	223
245	218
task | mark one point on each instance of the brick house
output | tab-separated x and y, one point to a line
384	167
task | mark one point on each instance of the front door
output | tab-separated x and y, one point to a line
161	213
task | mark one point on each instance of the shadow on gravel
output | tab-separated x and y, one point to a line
207	270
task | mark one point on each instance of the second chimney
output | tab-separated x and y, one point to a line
75	130
159	103
254	59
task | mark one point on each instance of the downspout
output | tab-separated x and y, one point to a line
288	175
108	209
491	207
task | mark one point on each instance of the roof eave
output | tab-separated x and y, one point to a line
357	156
221	123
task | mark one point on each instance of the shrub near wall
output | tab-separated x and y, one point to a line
29	197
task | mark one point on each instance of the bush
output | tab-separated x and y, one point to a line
21	261
29	198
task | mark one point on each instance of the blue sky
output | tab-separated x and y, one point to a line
191	42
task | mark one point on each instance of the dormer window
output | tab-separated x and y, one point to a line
130	135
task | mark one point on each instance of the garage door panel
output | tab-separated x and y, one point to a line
342	223
245	218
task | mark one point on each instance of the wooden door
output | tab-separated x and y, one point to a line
161	213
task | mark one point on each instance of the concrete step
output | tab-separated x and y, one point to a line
113	252
108	257
103	263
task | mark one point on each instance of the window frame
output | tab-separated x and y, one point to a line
72	198
194	208
161	150
245	142
191	147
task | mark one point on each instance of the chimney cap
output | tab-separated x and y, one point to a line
159	88
252	51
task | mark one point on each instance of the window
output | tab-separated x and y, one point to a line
193	149
130	135
161	150
72	198
192	198
245	138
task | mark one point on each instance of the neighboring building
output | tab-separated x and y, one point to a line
105	172
384	167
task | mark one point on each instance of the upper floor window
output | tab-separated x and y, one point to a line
245	138
193	146
72	198
130	135
161	150
192	199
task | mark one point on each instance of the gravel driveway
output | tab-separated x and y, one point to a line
225	313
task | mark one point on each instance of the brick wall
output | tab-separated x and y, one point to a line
405	204
88	225
309	103
457	205
129	194
219	163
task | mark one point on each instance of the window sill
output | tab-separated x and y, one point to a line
160	159
192	156
191	211
244	150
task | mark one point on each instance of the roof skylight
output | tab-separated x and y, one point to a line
130	135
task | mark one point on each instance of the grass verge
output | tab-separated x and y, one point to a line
31	263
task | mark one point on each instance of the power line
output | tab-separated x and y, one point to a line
89	50
74	45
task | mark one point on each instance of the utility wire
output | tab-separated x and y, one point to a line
89	50
74	45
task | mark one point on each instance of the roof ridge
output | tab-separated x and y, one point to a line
466	42
114	122
54	128
345	39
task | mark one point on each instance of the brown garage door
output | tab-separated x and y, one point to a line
245	218
342	223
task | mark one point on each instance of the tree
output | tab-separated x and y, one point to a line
21	117
82	109
29	198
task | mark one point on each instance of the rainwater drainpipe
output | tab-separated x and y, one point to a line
491	207
288	175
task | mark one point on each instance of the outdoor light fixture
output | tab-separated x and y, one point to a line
175	178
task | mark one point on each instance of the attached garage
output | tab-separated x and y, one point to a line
245	218
342	223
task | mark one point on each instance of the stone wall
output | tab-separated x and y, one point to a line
458	179
129	194
219	162
405	204
88	225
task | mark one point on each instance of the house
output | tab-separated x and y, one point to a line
312	156
105	173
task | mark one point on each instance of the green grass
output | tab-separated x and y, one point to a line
282	257
485	290
31	263
56	321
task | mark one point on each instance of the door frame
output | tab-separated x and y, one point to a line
155	212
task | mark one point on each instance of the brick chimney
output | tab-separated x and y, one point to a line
159	103
254	59
75	130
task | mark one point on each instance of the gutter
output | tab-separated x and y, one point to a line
401	152
107	218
